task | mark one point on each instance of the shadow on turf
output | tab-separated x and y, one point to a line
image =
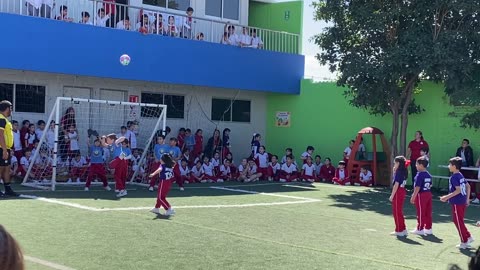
432	238
407	240
374	201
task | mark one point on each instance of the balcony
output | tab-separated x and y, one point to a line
160	52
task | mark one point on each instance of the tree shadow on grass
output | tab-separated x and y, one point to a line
376	200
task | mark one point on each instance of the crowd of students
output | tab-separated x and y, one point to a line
148	22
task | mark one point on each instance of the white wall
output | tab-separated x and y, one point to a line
198	102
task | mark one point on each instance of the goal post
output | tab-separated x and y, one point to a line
61	154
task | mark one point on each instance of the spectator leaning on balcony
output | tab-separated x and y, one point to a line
102	18
64	14
257	42
109	6
225	39
159	25
187	24
232	36
244	38
85	18
171	27
33	7
144	26
124	24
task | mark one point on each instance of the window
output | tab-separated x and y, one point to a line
172	4
6	92
226	9
30	98
175	105
221	110
25	98
228	110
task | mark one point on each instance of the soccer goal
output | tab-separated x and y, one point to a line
61	155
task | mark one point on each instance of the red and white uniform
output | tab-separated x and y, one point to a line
216	166
197	172
241	169
341	177
262	162
225	172
365	179
327	173
274	170
288	172
347	153
252	170
78	167
308	172
208	170
184	173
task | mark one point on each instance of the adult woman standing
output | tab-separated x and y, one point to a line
413	151
214	144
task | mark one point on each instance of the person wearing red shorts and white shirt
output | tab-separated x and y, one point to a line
347	152
365	178
185	175
341	175
307	154
208	170
288	172
225	171
274	169
308	170
261	160
197	173
242	170
215	160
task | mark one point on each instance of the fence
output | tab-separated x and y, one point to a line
152	21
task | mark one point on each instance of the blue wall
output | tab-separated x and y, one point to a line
38	44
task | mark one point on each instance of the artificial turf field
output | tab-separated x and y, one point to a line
239	226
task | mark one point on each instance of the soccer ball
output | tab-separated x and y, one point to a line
125	59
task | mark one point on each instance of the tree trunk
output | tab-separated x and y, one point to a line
394	136
408	96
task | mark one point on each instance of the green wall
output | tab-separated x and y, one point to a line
272	16
322	117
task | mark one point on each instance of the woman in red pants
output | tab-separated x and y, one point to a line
166	177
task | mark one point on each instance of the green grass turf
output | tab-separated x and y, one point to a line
347	229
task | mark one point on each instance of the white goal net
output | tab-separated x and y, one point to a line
61	155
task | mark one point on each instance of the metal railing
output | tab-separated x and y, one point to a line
153	21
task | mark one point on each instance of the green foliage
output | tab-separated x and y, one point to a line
383	48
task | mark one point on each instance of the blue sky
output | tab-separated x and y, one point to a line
313	69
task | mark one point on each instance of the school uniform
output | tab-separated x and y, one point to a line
318	168
459	205
97	166
341	177
78	168
208	170
288	173
305	155
423	201
308	172
365	180
398	200
327	173
185	174
166	177
120	164
415	148
199	173
197	148
262	163
216	166
17	145
158	151
274	171
225	172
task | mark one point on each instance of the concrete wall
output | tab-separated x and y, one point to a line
197	102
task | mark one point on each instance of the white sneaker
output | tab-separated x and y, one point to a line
370	185
86	189
417	232
335	183
428	232
78	180
270	179
116	190
69	181
220	181
122	193
347	184
476	201
170	212
187	182
155	211
400	234
357	184
150	189
404	233
470	240
182	189
107	188
463	246
203	181
283	180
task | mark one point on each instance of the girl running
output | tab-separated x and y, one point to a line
166	177
400	174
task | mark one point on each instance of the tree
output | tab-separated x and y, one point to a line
383	49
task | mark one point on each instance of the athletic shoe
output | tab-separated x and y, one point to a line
107	188
247	180
182	189
116	190
187	182
170	212
470	240
335	183
357	184
86	189
122	193
155	211
476	201
9	192
347	184
370	185
150	189
428	232
69	181
283	180
417	232
270	179
78	180
220	181
463	246
203	181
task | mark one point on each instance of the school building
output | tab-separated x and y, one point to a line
205	84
